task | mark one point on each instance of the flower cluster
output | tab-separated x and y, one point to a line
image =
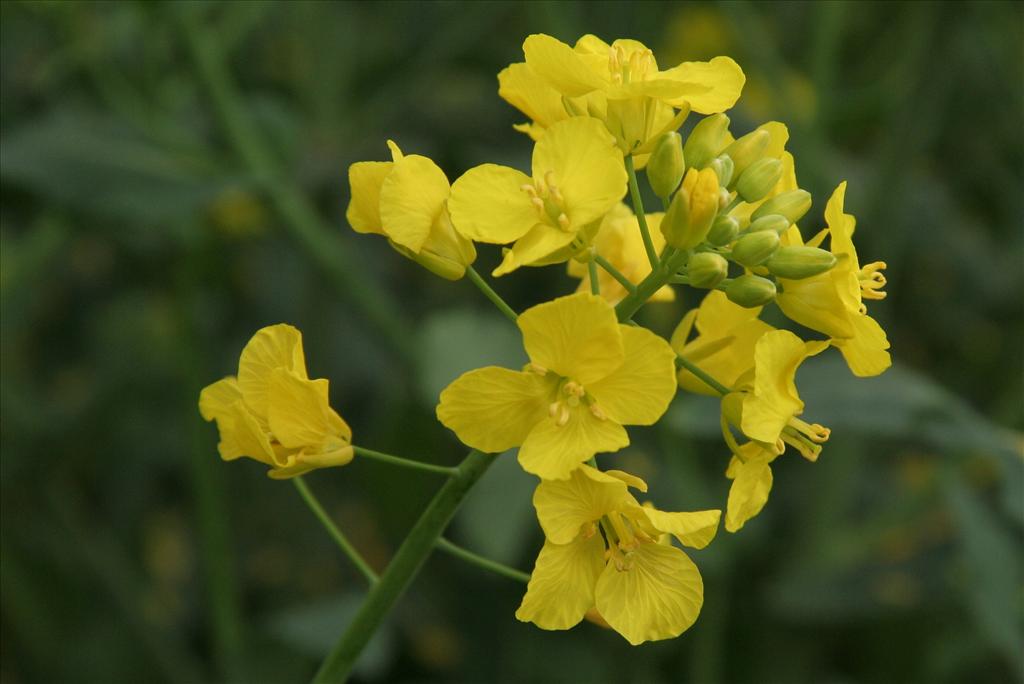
597	113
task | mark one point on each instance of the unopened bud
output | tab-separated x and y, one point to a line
706	140
723	231
666	166
692	211
747	150
800	261
750	291
754	249
759	179
707	269
773	222
793	205
723	168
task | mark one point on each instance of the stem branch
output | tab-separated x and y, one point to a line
495	298
332	529
403	462
480	561
641	217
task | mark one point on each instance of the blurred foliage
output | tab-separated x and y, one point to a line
142	242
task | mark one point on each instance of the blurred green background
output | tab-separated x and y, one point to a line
174	178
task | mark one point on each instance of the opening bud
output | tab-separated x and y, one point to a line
666	166
707	269
692	211
723	168
723	231
754	249
793	205
445	253
800	261
750	291
747	150
706	140
759	179
776	223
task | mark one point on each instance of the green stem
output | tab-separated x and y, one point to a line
403	462
299	216
402	568
705	378
736	201
595	286
615	273
649	285
641	217
336	534
491	294
480	561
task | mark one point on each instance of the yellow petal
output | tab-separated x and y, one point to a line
411	199
752	482
493	409
639	391
276	346
774	399
630	480
297	410
657	595
534	248
301	462
216	400
585	165
365	180
242	435
565	507
721	75
553	452
488	205
560	66
816	303
561	588
576	336
521	87
841	226
865	352
695	529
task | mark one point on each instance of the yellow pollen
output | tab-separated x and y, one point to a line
537	202
872	280
598	413
563	221
563	416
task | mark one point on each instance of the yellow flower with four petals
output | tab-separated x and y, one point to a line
588	376
273	413
602	551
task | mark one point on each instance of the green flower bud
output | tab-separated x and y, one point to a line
747	150
800	261
723	231
706	140
773	222
759	179
707	269
692	211
793	205
750	290
666	166
754	249
723	167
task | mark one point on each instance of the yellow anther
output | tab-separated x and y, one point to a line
812	431
537	202
872	280
556	194
573	388
563	416
528	189
588	530
563	221
535	368
553	408
598	413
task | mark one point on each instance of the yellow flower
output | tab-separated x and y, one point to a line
638	98
724	346
578	177
751	474
643	589
832	302
618	240
405	200
273	413
765	403
587	377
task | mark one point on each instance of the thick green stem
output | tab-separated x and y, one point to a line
595	285
336	534
704	377
402	568
615	273
403	462
480	561
297	213
649	285
491	294
641	217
